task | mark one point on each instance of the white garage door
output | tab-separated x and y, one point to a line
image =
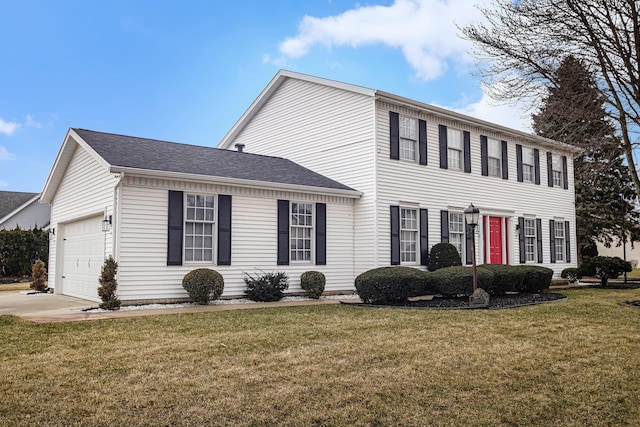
83	258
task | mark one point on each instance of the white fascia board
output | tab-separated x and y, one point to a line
21	207
452	115
247	183
268	91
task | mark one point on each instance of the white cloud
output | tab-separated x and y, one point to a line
3	184
5	154
424	30
32	123
512	116
8	128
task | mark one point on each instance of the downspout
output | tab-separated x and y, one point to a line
115	230
375	182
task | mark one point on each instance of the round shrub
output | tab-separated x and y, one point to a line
203	285
458	281
536	278
267	287
388	285
313	283
506	278
604	268
443	255
571	274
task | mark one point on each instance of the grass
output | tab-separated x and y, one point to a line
635	274
571	363
23	286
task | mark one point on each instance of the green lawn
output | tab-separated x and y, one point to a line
571	363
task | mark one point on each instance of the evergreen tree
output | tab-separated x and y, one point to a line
573	112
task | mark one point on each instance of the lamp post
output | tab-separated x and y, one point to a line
471	215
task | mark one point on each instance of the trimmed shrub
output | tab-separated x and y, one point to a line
506	278
266	287
536	278
458	280
571	274
109	285
203	285
388	285
39	276
604	268
313	283
443	255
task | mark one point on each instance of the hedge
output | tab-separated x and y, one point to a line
19	249
506	278
388	285
536	278
458	281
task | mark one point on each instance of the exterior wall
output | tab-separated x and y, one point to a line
32	216
629	252
143	273
85	190
330	131
428	186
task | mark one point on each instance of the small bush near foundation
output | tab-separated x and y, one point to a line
266	287
443	255
458	281
39	276
571	274
506	278
536	278
388	285
109	285
313	283
203	285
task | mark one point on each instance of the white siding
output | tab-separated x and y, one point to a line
401	182
143	272
330	131
85	190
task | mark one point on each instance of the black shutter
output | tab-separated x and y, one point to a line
549	169
565	176
484	156
283	232
224	230
505	161
539	238
321	234
567	241
536	163
444	226
395	235
467	151
394	135
519	162
424	237
552	240
523	257
468	232
174	226
422	141
442	130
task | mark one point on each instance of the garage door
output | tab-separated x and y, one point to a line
83	249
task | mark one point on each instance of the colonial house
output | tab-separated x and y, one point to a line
316	175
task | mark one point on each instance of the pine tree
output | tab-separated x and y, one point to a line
109	285
573	112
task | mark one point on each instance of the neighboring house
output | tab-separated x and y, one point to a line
18	209
387	178
629	251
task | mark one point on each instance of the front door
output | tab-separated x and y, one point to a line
495	239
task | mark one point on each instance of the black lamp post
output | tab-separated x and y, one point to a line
471	215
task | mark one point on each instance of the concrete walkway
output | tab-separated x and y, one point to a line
49	308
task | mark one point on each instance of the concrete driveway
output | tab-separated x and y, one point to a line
19	303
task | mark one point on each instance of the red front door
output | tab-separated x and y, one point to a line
495	239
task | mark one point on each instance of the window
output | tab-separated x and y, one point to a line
456	231
530	239
528	164
408	138
556	166
454	148
301	231
494	148
198	228
559	240
408	235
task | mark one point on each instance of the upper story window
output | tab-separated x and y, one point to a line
456	231
408	235
199	227
556	170
408	138
530	239
528	164
494	152
558	232
455	146
301	231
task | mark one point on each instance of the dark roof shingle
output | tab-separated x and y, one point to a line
151	154
12	200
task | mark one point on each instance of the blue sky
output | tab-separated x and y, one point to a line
186	71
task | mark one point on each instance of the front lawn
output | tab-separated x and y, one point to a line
569	363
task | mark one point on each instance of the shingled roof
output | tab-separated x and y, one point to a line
12	200
150	154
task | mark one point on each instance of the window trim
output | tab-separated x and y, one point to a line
213	223
402	138
559	224
463	237
460	150
526	165
416	233
556	158
312	238
498	144
534	236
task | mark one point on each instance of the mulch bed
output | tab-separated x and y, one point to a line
495	302
635	303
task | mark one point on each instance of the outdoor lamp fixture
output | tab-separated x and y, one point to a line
471	215
106	223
